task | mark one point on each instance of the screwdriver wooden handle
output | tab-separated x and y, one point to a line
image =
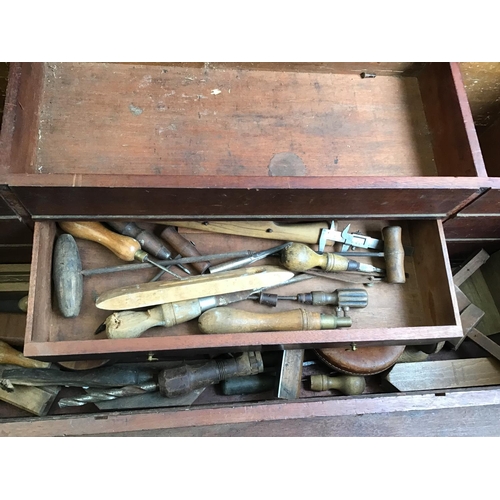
230	320
394	254
9	356
347	384
299	257
131	324
122	246
184	247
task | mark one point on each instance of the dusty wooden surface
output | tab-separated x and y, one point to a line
193	121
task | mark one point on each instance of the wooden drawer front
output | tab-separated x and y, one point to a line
161	128
422	310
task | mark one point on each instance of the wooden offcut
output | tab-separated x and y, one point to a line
445	374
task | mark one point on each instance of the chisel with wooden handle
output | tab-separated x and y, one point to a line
10	356
152	294
231	320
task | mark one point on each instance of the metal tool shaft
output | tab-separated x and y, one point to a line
184	260
108	395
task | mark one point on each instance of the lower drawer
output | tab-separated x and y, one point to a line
422	310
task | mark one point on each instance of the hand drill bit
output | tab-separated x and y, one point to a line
108	394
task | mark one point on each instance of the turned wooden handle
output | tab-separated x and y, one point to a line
131	324
9	356
230	320
347	384
122	246
394	254
184	247
299	258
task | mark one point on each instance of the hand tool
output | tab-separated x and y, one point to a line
11	356
67	275
346	384
100	377
394	254
183	260
236	264
131	324
148	241
152	294
181	380
290	375
185	247
343	297
124	247
354	240
299	257
316	232
230	320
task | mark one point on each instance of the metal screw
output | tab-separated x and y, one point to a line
353	346
367	75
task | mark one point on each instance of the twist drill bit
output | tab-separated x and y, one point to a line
108	395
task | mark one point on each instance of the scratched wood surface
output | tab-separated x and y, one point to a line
140	119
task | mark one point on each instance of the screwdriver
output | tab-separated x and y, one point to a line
149	242
124	247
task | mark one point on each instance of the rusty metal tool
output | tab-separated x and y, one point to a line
230	320
299	258
181	380
148	241
343	298
124	247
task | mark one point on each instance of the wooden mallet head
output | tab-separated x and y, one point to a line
67	276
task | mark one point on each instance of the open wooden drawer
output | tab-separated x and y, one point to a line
240	140
422	310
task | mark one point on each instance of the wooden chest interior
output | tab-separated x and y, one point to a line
419	311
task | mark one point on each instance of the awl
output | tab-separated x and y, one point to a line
152	294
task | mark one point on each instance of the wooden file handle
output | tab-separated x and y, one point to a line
122	246
9	356
131	324
184	247
394	254
230	320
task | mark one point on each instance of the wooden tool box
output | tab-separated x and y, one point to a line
244	141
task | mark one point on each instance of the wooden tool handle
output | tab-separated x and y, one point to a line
9	356
394	254
148	241
299	258
178	381
302	233
122	246
131	324
347	384
230	320
184	247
